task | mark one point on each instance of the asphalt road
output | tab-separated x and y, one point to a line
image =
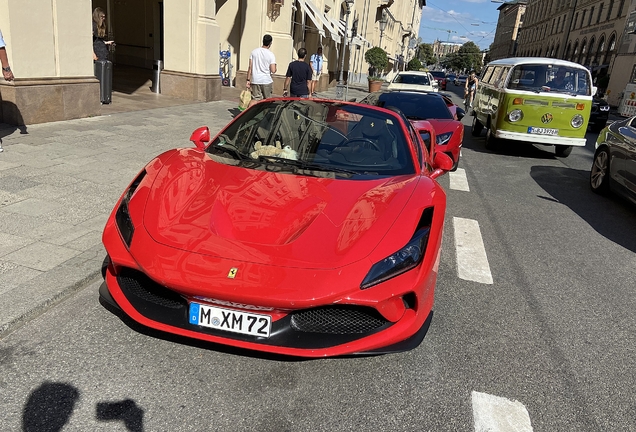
553	332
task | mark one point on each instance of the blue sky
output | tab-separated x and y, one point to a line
474	20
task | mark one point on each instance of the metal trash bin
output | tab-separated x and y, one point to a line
157	67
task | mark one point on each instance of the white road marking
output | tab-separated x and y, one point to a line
458	180
497	414
472	262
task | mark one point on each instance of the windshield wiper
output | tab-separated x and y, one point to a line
226	147
306	165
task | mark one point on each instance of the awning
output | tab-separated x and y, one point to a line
319	19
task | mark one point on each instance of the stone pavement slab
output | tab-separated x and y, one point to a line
58	184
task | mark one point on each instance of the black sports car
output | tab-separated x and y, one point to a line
599	114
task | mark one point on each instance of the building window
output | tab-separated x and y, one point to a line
609	10
583	18
600	12
566	55
620	9
576	18
556	52
589	21
590	52
598	58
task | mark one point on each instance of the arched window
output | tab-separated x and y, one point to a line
583	52
599	57
590	52
552	51
568	48
556	51
575	53
610	48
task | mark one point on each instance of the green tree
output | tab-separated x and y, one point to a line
469	56
414	64
377	59
425	54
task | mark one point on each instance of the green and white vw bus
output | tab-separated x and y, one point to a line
535	100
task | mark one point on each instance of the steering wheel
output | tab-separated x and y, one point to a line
364	143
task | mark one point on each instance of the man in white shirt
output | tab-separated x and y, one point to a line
259	73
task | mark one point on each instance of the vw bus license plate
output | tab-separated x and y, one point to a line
230	320
542	131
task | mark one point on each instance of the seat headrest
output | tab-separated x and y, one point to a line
372	127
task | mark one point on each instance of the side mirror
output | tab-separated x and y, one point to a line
594	90
460	113
442	163
200	137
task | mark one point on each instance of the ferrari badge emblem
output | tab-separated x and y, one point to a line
546	118
232	273
372	124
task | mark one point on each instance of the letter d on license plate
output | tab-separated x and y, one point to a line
230	320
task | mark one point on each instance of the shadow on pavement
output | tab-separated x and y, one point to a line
609	216
125	411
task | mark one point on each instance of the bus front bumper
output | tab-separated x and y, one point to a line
540	139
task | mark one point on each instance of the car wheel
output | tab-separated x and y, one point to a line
562	150
599	174
491	141
477	127
455	163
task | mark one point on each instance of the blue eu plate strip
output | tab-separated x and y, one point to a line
194	313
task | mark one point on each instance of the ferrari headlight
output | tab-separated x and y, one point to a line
407	258
444	138
515	115
577	121
122	217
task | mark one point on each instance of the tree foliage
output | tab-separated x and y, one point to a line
466	58
377	59
425	54
414	64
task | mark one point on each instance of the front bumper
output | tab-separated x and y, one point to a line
540	139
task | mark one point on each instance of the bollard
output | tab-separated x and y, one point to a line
157	67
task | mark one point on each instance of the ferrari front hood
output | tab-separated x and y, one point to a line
204	207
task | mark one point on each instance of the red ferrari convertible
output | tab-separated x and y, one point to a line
305	227
437	109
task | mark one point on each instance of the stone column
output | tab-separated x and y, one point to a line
191	50
50	45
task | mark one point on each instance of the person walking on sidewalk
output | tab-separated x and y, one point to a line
6	68
100	48
259	73
316	61
298	77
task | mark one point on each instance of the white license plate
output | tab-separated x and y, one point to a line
230	320
542	131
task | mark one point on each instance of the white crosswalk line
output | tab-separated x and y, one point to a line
497	414
458	180
472	262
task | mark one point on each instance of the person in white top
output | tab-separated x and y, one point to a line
259	73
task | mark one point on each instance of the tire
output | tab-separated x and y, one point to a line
477	127
599	174
562	150
492	143
455	163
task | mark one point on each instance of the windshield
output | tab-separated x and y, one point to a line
324	139
414	106
550	78
412	79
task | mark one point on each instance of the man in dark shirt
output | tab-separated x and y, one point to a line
299	76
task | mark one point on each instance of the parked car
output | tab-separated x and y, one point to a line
599	115
436	109
414	80
305	227
460	80
451	78
440	77
614	163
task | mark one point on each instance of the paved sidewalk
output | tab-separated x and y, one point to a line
58	184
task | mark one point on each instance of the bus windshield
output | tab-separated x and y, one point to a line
550	78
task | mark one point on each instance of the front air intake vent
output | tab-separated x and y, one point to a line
338	320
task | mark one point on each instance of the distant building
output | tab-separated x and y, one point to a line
510	20
440	49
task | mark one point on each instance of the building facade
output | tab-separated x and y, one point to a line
508	24
583	31
51	51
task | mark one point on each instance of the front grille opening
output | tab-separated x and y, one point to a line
141	286
338	320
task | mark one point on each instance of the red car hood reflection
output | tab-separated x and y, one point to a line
440	126
257	216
